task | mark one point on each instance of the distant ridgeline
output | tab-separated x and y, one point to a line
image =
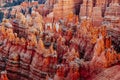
18	2
14	3
41	1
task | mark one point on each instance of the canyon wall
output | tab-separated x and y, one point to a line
64	7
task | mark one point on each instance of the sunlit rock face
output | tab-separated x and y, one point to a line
92	10
112	17
99	10
63	8
112	13
86	8
97	16
111	73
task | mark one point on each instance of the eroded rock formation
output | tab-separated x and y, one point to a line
54	42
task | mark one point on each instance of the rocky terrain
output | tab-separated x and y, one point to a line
62	40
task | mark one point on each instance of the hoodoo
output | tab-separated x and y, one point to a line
59	39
